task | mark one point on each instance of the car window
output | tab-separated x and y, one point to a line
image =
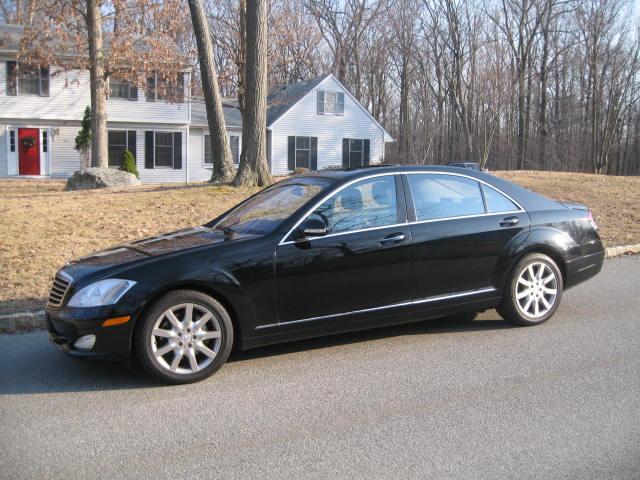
365	204
443	196
496	201
269	208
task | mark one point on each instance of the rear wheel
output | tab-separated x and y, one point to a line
184	337
533	291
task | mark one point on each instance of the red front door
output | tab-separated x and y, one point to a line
29	151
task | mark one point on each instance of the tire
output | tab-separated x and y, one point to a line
168	340
532	295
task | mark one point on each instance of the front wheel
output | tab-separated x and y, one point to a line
533	291
184	337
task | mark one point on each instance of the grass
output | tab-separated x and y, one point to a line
42	227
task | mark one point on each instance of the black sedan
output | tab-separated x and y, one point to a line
323	253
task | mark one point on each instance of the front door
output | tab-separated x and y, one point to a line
363	262
29	151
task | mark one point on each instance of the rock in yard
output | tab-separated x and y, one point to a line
101	178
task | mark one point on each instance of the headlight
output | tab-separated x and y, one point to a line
104	292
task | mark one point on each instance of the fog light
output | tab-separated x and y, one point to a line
85	342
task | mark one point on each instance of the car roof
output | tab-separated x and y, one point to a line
528	199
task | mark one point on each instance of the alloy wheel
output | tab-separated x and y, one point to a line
186	338
536	290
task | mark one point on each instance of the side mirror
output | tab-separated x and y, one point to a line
311	227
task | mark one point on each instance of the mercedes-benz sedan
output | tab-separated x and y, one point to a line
323	253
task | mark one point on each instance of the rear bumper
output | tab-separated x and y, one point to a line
68	325
583	268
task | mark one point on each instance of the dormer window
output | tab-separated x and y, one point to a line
330	103
25	79
158	89
122	89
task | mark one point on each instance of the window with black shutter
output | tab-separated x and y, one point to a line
25	79
122	89
355	152
234	141
117	144
163	150
330	103
303	153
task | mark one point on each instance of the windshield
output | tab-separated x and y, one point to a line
269	208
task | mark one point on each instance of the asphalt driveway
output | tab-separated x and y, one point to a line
440	399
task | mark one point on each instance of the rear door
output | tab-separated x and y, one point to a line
460	229
363	262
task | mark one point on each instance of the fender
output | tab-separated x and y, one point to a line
548	240
200	272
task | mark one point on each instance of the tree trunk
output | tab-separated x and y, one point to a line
242	54
222	161
98	86
254	170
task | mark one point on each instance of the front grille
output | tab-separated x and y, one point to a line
59	289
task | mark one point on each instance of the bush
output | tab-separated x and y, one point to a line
300	171
129	163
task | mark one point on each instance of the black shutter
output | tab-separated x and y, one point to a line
131	143
148	149
320	102
44	81
367	145
177	150
151	88
180	88
345	153
292	153
314	153
12	78
133	92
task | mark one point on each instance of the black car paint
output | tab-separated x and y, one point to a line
279	290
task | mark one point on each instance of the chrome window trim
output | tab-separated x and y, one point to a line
417	222
407	303
329	195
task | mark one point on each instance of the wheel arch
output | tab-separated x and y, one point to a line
207	289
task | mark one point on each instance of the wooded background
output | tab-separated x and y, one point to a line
512	84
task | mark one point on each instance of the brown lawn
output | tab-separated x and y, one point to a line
42	227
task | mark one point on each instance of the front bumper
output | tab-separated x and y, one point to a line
67	325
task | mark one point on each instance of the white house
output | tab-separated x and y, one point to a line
314	124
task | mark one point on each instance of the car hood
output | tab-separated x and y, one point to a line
146	248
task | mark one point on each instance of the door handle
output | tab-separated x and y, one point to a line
509	221
393	238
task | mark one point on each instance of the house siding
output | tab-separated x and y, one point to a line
69	95
302	120
4	150
198	171
64	158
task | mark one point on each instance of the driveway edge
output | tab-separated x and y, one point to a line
25	321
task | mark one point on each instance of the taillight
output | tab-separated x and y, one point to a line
591	220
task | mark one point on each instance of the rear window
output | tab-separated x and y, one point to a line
444	196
